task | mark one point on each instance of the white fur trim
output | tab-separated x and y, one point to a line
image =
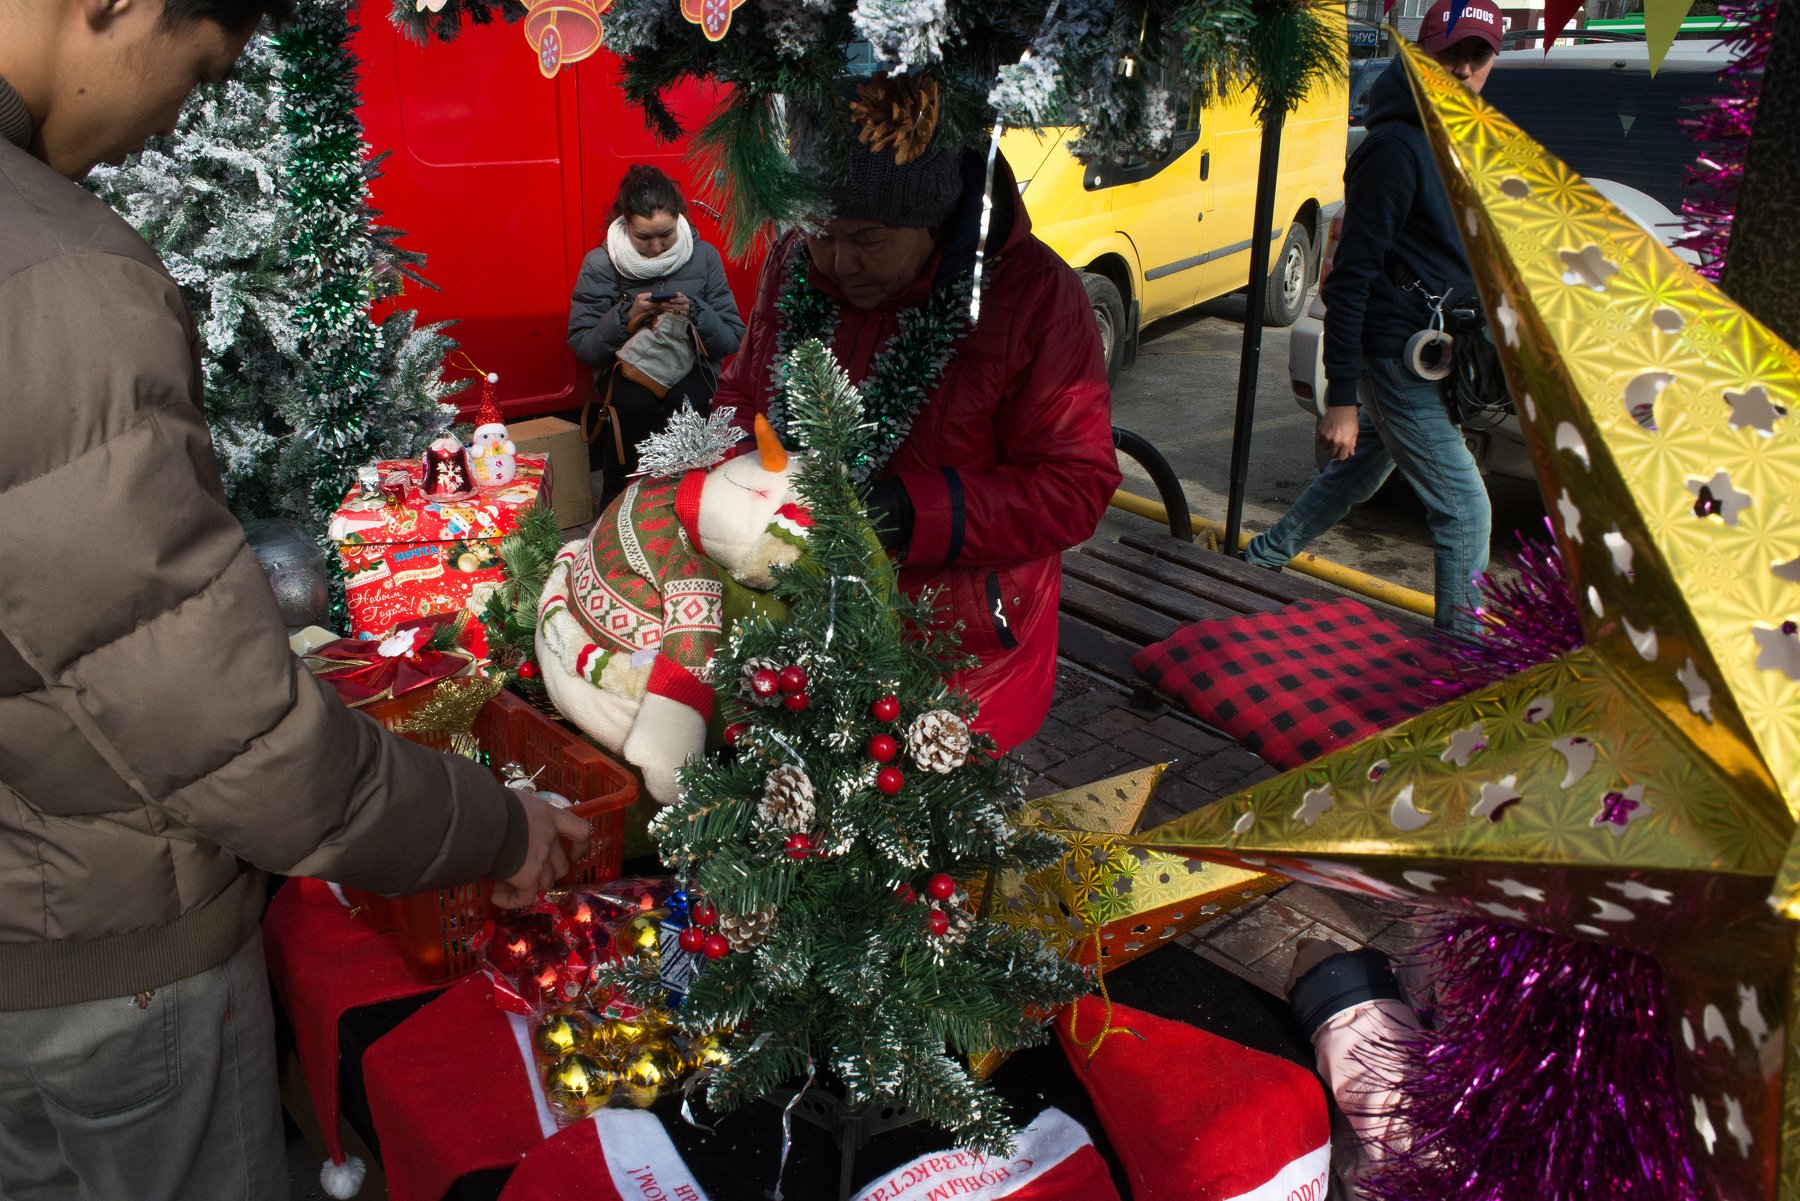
343	1180
1302	1179
664	736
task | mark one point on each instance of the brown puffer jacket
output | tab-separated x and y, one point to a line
158	743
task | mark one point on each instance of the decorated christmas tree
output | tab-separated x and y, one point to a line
259	206
831	853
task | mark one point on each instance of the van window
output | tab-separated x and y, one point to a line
1187	134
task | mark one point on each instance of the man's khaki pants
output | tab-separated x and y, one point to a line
168	1097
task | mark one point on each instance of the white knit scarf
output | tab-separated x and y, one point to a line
627	261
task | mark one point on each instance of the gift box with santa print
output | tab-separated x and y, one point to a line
407	553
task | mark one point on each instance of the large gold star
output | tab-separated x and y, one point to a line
1642	791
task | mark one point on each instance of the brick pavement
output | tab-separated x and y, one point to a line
1093	733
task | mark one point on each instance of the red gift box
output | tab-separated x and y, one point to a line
418	556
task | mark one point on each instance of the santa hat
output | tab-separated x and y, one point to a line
488	411
1195	1117
1052	1160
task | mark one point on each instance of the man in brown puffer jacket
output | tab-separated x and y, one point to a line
159	749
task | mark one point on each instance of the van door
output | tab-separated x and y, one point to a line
1236	142
485	180
1161	206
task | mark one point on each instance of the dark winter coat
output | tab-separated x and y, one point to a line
1009	463
1397	227
603	296
158	742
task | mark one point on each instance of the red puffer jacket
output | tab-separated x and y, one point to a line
1010	461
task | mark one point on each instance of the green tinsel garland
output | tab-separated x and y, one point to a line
900	378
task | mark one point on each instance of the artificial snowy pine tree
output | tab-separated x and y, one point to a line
218	200
855	950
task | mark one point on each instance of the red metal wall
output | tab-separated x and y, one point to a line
504	180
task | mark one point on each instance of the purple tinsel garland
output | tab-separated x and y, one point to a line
1722	126
1549	1077
1527	619
1547	1074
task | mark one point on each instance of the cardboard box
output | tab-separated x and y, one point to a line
571	497
417	556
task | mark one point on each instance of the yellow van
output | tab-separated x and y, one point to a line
1154	238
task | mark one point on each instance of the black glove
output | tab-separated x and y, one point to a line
890	508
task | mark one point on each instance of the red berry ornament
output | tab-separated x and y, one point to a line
716	947
796	702
886	709
799	846
890	780
882	749
939	921
704	913
792	679
735	731
692	940
941	887
764	683
528	670
905	894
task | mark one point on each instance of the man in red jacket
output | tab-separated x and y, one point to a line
994	456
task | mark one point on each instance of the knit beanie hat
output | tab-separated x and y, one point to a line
922	192
900	168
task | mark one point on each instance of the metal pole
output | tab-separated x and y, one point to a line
1250	360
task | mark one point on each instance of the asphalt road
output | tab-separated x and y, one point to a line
1181	394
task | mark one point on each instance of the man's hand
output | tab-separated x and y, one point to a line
1337	431
546	860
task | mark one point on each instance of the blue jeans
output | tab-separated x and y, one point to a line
1403	423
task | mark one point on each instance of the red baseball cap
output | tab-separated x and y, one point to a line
1477	19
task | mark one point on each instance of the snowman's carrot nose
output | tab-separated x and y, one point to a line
773	454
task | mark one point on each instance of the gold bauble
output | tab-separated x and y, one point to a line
579	1085
645	1069
707	1052
641	936
561	1033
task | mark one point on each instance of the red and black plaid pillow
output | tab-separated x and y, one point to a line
1294	684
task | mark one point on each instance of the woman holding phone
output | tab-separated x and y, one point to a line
649	267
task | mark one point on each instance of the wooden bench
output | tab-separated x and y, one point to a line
1118	597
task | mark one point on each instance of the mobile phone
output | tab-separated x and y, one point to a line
663	297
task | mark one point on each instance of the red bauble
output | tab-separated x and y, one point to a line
890	780
764	683
882	748
735	731
528	670
886	709
799	846
796	702
905	893
941	887
939	921
717	947
792	679
692	940
704	913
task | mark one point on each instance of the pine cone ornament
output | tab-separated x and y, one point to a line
898	112
747	681
938	741
787	802
747	931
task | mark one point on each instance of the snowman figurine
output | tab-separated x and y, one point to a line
491	452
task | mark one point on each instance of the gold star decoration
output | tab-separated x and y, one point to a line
1642	791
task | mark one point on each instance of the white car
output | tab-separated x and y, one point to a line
1598	109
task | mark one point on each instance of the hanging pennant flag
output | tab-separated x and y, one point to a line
1662	21
1557	15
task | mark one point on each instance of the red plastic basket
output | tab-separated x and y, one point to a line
435	928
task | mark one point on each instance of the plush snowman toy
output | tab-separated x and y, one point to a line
490	450
631	616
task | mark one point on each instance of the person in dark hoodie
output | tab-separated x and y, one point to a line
1400	247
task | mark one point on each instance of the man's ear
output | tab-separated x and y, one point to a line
101	14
